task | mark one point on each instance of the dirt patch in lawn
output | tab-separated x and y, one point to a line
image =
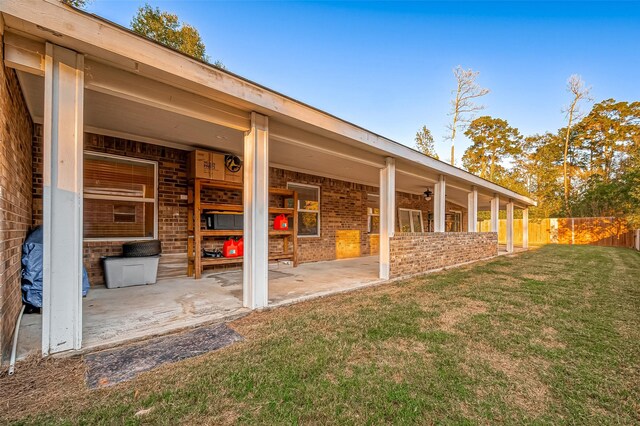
450	318
549	339
525	387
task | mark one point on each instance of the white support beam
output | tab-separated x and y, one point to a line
439	204
525	228
282	132
417	176
495	213
387	215
24	54
255	267
472	210
62	200
510	226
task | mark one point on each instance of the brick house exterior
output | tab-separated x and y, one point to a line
343	208
15	198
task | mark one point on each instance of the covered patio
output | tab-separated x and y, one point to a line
113	316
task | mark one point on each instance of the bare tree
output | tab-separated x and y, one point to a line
463	105
579	92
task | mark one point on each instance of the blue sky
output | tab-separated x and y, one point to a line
387	66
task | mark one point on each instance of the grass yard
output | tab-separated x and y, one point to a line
548	336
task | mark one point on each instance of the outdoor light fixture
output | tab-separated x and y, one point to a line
428	194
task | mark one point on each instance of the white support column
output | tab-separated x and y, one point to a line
510	227
255	266
495	213
387	215
525	228
62	200
439	204
472	210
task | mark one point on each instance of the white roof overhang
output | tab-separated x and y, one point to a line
189	100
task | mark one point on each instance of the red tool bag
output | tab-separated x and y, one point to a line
281	223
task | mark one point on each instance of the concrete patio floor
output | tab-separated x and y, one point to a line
113	316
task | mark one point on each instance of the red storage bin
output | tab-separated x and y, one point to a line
281	223
230	248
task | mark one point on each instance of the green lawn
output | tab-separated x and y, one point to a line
549	336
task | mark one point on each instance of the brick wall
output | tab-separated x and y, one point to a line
37	173
172	208
413	253
343	205
15	198
172	203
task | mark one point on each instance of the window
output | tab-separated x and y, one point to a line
410	220
453	221
373	213
119	197
308	209
430	226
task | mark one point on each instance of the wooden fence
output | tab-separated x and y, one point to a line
599	231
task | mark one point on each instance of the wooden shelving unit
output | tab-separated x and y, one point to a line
196	234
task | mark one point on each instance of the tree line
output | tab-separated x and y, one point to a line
588	168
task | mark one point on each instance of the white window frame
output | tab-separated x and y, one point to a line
411	219
455	212
317	212
120	198
371	214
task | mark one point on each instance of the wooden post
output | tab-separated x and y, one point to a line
295	228
197	226
255	266
62	200
387	215
190	233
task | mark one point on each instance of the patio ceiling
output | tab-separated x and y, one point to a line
291	148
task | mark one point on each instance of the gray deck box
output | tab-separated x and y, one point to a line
130	271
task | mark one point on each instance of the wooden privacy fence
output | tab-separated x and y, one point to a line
599	231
